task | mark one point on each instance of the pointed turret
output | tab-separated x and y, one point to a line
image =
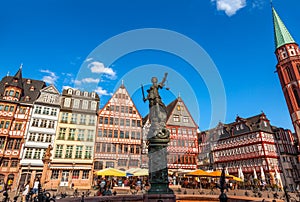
17	79
282	35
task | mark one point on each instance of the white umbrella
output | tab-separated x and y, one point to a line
254	174
226	171
278	178
262	174
241	174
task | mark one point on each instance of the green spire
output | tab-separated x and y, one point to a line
282	35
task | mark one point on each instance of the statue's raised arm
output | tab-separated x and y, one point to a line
162	83
153	95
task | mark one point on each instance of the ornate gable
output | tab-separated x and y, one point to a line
50	89
49	95
179	115
120	103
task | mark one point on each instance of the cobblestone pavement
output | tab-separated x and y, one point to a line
182	191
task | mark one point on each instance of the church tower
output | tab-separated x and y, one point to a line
288	69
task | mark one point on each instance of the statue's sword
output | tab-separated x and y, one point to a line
144	99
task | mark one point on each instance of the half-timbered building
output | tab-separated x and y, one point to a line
17	96
248	144
118	144
183	145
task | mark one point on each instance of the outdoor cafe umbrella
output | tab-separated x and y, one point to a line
226	171
200	173
111	172
254	174
241	174
278	178
262	174
141	172
236	178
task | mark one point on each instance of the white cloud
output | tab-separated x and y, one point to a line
90	80
258	4
86	80
102	91
66	87
89	59
51	78
99	68
230	6
77	82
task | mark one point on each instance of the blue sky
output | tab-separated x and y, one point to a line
55	41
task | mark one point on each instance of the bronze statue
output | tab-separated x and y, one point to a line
153	94
158	112
157	140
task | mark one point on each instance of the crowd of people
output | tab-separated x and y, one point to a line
106	184
27	191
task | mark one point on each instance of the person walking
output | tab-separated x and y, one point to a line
25	191
35	187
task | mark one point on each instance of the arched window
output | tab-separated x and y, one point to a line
296	95
298	68
289	73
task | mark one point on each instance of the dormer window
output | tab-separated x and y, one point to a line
85	94
93	94
28	81
11	93
17	94
70	91
27	98
31	88
265	124
77	92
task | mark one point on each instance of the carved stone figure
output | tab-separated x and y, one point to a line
48	152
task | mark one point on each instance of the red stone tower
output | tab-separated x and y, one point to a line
288	69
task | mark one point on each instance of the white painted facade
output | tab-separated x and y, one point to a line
41	132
